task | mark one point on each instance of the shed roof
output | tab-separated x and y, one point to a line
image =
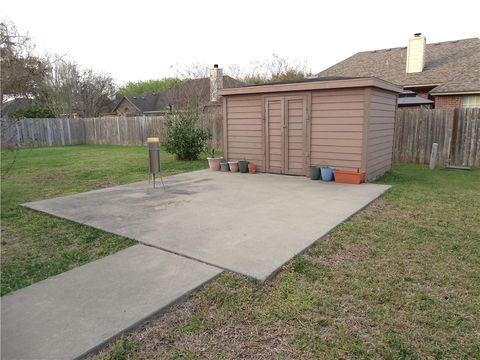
313	84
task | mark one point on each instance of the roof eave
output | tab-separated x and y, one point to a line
468	92
420	85
317	85
416	102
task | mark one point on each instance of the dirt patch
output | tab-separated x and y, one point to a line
48	176
11	243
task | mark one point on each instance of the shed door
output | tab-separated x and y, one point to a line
274	109
295	134
286	134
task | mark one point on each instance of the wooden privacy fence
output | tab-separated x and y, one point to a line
457	133
105	130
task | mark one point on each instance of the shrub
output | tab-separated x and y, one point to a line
184	137
32	111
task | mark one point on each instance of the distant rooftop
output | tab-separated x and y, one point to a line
450	66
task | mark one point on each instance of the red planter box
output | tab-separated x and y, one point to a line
349	176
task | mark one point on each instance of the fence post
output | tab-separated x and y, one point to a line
453	144
433	156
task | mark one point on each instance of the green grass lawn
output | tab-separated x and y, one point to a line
35	246
400	280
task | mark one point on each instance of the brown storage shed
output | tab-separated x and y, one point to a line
286	127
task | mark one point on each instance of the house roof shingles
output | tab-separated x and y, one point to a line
452	66
144	102
468	81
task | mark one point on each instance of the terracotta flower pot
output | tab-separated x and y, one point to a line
349	176
252	168
214	163
233	166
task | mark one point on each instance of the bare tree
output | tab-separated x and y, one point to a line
193	71
95	91
60	87
21	71
276	68
68	90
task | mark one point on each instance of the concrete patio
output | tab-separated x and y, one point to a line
250	224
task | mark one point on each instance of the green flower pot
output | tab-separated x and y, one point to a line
224	166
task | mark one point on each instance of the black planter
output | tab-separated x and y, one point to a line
314	172
243	166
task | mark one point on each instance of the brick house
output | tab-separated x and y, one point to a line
203	91
438	75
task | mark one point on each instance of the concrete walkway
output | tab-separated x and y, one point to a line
69	315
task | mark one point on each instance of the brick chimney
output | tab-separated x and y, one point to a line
416	53
216	82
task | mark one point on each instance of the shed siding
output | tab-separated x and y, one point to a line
337	118
381	127
346	128
245	129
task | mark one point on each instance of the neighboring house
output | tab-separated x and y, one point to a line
144	104
202	91
446	73
14	104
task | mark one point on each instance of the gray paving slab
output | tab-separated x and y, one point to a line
68	315
251	224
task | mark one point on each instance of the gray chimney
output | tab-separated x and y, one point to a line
216	82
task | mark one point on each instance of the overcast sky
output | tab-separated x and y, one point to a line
136	40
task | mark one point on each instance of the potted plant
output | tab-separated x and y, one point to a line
252	167
214	162
233	166
349	176
224	166
326	172
314	172
243	166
